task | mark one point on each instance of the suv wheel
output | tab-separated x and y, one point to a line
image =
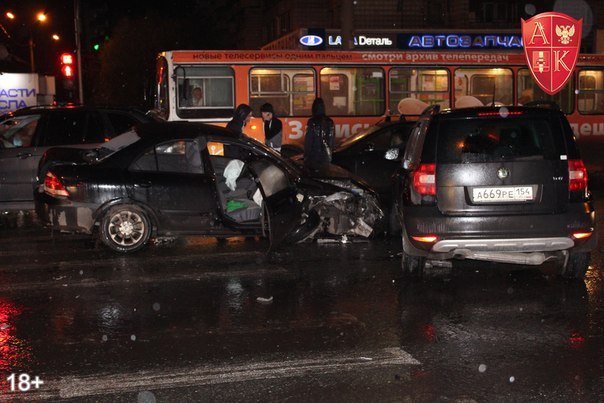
413	266
125	228
576	266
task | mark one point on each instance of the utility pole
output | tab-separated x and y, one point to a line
30	43
347	22
78	31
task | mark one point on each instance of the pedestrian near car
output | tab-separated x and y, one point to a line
273	128
241	117
319	141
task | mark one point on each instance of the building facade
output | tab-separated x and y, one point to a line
274	19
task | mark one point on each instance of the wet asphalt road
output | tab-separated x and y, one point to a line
195	319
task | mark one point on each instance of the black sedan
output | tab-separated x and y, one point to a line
374	155
165	179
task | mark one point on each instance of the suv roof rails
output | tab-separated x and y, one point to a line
543	104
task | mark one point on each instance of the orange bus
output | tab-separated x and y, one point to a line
361	88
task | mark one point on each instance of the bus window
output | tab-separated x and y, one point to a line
528	91
476	87
205	92
430	86
353	91
161	101
291	91
591	92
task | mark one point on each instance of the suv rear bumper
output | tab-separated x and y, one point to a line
505	244
512	233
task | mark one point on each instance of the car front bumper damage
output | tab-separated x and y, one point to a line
351	211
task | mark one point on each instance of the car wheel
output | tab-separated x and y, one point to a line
125	228
576	266
413	266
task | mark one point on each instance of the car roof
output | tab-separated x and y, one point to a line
370	131
494	111
169	130
61	108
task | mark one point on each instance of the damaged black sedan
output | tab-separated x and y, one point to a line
168	179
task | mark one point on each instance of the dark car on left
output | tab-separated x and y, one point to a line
27	133
179	178
374	155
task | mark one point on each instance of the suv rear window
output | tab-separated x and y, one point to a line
496	139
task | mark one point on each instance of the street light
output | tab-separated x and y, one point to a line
40	17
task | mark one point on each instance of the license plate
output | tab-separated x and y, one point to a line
502	194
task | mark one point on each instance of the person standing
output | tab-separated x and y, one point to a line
320	136
241	117
273	128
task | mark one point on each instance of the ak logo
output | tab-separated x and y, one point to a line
551	47
311	40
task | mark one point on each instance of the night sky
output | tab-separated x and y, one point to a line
61	21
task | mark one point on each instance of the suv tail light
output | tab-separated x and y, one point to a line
53	185
424	179
577	175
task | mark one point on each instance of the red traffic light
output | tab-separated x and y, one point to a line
66	58
67	65
67	71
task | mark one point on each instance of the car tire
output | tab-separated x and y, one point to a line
125	228
576	266
413	266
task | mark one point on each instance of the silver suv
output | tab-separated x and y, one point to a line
27	133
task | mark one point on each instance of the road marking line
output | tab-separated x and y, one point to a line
104	384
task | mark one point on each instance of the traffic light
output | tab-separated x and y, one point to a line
96	25
67	65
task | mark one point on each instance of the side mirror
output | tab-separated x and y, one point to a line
392	154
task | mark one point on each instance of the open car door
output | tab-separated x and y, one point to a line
283	205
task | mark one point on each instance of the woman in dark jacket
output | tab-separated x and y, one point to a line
320	137
241	117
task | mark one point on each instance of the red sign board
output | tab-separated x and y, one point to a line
551	46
